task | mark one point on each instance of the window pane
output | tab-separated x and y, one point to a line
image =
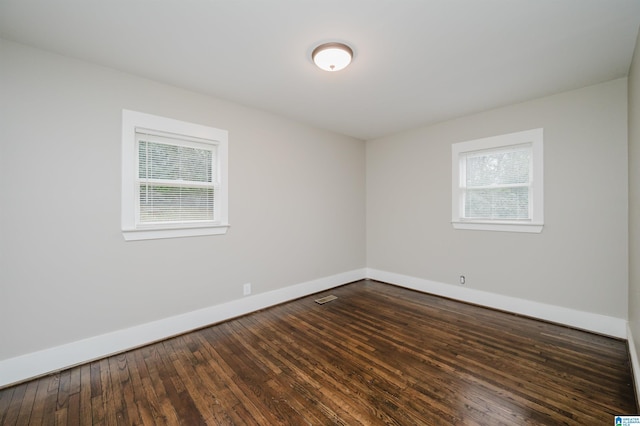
195	164
174	162
498	168
175	204
497	203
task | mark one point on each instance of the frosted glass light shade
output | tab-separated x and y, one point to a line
332	56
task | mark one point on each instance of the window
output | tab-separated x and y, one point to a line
497	183
174	178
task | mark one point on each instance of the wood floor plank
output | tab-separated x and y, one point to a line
378	354
8	410
196	385
184	405
107	395
43	409
146	400
27	403
264	346
241	406
84	397
315	378
153	377
332	372
230	397
126	410
97	403
63	397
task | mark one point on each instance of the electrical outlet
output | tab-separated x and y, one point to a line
462	279
246	289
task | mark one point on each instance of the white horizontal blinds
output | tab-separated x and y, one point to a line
496	184
177	180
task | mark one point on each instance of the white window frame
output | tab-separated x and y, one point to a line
459	151
137	122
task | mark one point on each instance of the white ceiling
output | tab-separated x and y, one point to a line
416	61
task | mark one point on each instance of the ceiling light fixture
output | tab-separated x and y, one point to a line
332	56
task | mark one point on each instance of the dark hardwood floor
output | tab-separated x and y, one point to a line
378	354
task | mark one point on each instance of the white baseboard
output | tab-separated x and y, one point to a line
35	364
602	324
635	365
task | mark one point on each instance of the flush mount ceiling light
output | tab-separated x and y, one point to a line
332	56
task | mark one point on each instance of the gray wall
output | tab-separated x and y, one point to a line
634	198
579	261
297	205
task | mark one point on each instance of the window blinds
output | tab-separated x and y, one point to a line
497	184
177	180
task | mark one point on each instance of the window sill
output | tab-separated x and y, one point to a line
500	226
155	234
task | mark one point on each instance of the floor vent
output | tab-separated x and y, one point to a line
325	299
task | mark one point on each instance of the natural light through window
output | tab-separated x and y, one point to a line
174	178
497	183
